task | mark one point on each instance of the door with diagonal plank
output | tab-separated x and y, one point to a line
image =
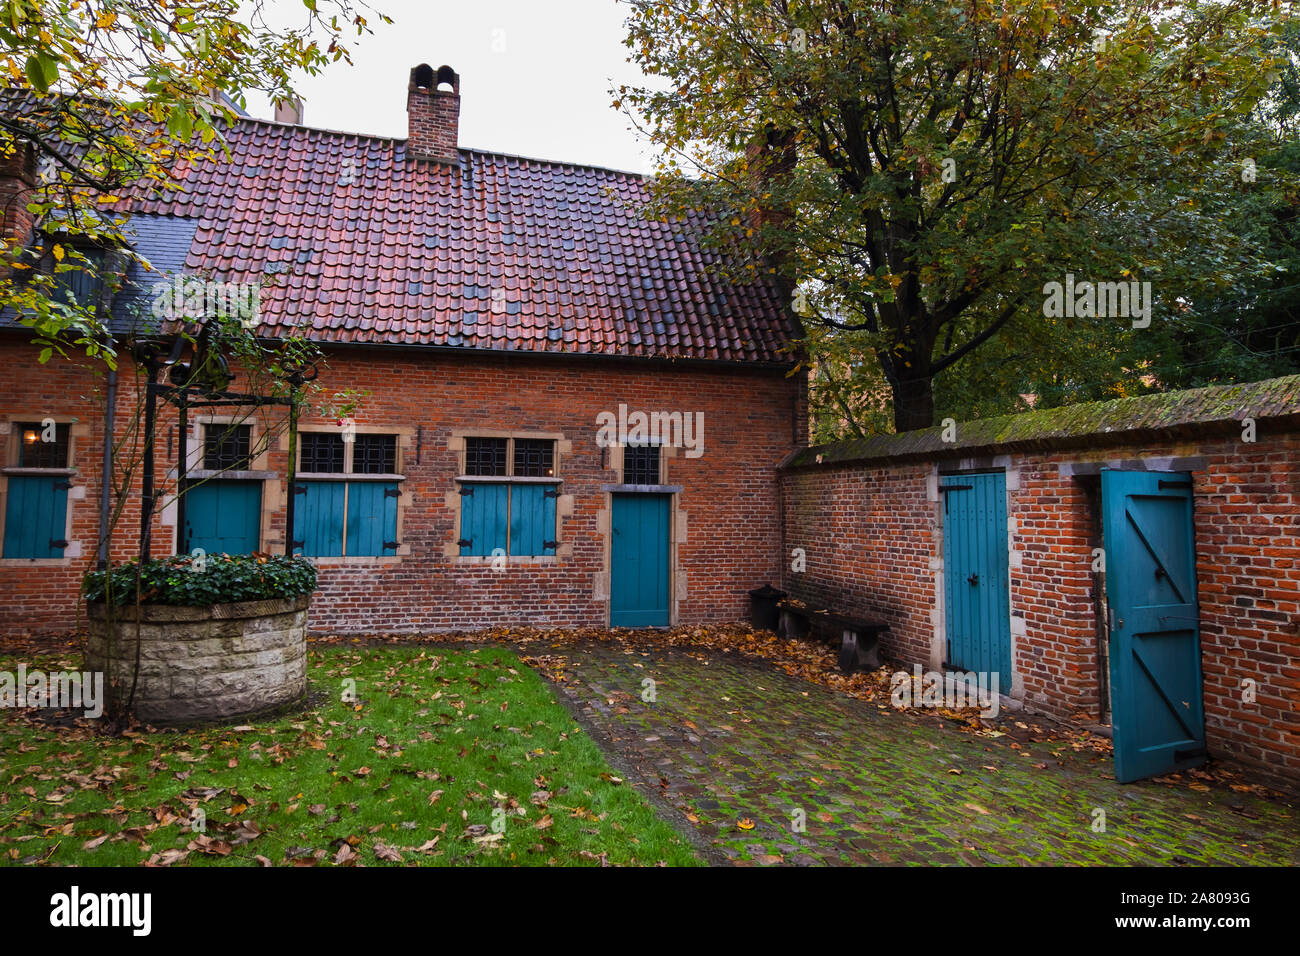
1158	717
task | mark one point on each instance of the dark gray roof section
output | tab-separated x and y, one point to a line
1167	414
164	241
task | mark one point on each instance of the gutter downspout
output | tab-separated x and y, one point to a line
105	478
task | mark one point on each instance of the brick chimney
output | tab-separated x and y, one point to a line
17	182
433	114
289	111
770	156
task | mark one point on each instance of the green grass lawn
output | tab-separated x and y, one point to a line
445	757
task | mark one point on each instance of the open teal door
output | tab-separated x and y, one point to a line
638	565
976	568
223	516
1157	715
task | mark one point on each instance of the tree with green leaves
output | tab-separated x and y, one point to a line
919	172
1250	330
115	96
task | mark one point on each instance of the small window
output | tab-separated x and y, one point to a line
641	464
534	458
322	452
227	447
81	283
42	446
485	456
374	455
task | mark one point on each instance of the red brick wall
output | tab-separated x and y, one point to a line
732	525
867	537
871	532
1248	568
41	595
1053	589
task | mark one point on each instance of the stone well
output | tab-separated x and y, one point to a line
205	663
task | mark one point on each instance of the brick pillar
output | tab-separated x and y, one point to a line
433	114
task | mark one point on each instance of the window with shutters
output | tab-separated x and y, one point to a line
36	491
337	513
516	516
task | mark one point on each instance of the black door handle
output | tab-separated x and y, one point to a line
974	579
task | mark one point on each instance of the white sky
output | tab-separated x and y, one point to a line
534	76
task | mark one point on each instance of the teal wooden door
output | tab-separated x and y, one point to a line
1157	716
977	599
224	517
638	565
36	514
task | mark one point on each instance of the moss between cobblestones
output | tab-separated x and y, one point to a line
760	756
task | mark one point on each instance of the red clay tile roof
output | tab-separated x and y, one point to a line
355	242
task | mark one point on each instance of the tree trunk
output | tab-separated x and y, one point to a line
913	404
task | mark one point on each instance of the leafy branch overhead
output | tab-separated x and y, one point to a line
918	172
116	98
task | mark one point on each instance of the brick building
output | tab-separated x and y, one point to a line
1162	530
494	311
501	315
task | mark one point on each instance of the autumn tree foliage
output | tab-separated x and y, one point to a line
917	172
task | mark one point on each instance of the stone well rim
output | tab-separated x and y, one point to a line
168	613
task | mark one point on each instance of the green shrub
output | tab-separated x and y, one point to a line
213	579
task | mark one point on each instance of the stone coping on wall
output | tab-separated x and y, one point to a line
163	613
1166	414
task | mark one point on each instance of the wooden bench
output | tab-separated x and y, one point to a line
859	637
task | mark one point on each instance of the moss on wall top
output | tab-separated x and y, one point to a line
1168	414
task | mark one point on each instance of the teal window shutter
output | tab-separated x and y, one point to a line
372	518
532	519
36	516
483	510
318	518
